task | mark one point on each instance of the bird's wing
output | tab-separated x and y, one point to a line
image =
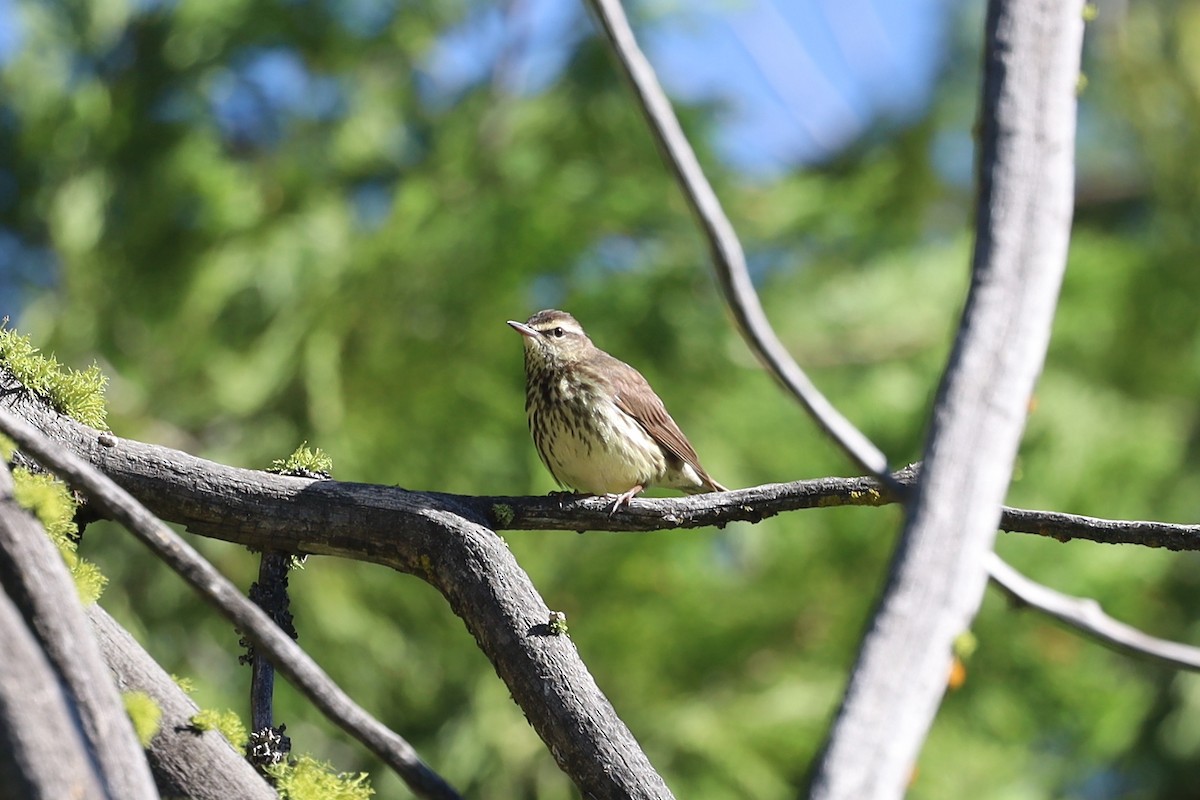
634	396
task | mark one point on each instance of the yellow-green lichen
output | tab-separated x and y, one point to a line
557	623
79	394
48	499
305	778
227	723
144	713
503	513
186	685
304	461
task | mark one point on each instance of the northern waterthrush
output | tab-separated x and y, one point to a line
596	423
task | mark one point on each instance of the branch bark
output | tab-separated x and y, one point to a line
433	537
43	755
939	570
199	765
36	581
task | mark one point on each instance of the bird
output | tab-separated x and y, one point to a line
597	424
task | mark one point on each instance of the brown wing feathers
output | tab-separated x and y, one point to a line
634	396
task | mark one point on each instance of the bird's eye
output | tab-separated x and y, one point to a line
559	333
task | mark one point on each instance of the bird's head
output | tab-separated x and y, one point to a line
553	338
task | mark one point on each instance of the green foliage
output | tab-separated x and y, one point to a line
243	296
226	722
77	394
306	778
51	502
304	461
145	714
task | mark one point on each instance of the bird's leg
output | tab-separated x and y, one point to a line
624	498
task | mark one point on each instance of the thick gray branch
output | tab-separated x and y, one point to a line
43	754
199	765
939	570
36	580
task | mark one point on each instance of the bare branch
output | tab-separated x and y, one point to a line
199	765
1064	527
36	581
1086	616
729	260
293	662
220	502
938	573
43	754
268	745
43	749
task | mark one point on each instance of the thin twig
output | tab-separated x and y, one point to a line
1086	616
293	662
729	260
268	745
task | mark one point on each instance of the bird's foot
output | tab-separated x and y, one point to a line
624	498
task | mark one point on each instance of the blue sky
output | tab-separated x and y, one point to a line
797	81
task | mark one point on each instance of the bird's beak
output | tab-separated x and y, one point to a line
523	329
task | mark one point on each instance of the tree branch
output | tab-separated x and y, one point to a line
268	745
43	754
198	765
435	537
1064	527
36	581
1086	616
412	532
938	573
293	662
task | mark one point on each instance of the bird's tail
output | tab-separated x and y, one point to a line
708	485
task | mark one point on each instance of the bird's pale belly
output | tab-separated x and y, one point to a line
604	452
608	454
